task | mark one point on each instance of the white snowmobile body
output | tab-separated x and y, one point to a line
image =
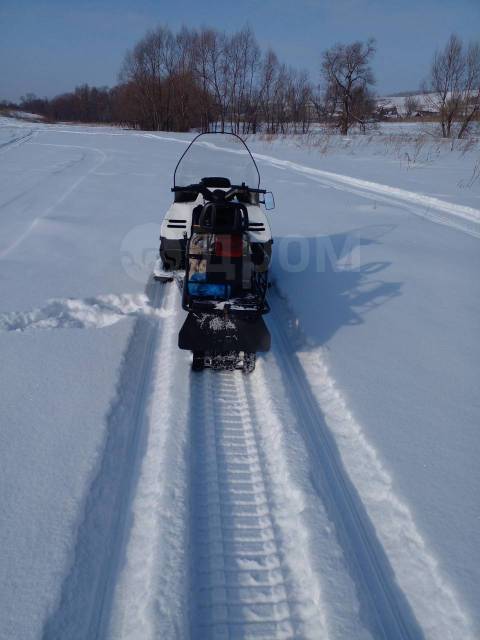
178	221
217	236
176	229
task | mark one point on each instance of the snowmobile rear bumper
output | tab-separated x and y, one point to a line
215	333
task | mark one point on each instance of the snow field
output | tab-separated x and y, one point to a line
329	495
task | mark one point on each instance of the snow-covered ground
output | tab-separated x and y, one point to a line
331	494
24	115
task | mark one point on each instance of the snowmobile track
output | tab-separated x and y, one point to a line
86	595
240	578
243	581
16	142
37	201
386	610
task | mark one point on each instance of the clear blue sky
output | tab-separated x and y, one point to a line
50	46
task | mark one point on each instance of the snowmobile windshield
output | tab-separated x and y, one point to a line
220	155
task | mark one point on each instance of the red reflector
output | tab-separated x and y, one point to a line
229	246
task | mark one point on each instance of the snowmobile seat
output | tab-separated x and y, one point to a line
223	218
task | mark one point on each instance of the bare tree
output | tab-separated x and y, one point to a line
244	54
279	107
204	62
453	87
348	77
470	104
325	103
411	105
300	102
267	81
363	106
442	90
215	70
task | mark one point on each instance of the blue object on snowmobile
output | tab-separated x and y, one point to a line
198	286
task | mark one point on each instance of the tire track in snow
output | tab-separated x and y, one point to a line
85	594
150	599
460	217
246	576
399	584
49	208
16	142
251	573
384	606
175	509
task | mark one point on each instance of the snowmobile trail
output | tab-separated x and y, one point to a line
460	217
254	570
218	545
244	583
197	524
47	193
86	590
215	548
17	141
384	607
150	596
386	555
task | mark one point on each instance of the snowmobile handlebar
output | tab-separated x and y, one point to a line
217	195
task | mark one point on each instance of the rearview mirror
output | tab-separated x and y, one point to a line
269	200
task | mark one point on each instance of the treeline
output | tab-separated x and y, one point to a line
194	78
209	80
85	104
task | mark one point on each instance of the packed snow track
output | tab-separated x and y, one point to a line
243	564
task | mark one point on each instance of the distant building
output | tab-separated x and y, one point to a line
389	111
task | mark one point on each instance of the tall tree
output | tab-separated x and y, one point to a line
348	77
453	86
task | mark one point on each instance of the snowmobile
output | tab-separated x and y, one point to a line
215	240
